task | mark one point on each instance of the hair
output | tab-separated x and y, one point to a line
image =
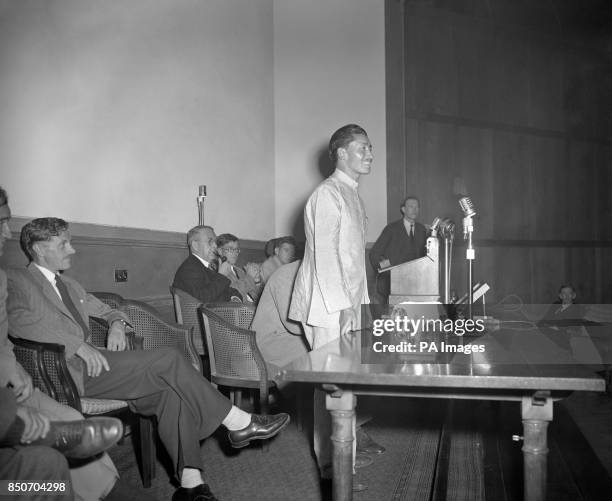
409	197
193	233
269	247
342	138
567	286
226	238
285	240
3	197
40	230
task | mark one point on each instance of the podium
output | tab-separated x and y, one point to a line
417	280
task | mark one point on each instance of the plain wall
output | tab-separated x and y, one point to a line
329	70
114	112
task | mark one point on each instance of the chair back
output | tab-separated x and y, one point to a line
46	364
156	332
98	328
238	314
186	312
232	350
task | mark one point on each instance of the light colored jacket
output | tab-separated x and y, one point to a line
332	276
36	312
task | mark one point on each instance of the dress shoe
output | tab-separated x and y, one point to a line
362	460
199	493
84	438
260	428
366	445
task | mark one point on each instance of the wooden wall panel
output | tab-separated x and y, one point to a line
508	103
150	257
548	206
511	186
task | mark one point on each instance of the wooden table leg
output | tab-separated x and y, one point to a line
537	411
341	405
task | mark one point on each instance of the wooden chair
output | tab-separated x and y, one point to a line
186	313
235	359
46	364
155	332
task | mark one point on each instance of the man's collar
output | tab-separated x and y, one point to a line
203	261
345	178
47	273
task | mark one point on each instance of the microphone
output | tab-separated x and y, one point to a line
447	227
467	206
434	226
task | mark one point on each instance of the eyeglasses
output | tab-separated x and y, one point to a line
233	250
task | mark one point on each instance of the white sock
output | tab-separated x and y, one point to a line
191	477
236	419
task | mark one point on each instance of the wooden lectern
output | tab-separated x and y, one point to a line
417	280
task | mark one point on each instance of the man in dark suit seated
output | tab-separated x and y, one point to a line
46	306
195	275
400	241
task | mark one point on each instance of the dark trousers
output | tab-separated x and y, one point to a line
161	383
33	462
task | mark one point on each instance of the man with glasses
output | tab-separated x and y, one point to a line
245	280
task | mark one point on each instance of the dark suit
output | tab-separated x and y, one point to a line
203	283
397	246
154	382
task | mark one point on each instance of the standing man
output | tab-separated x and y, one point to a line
331	283
400	241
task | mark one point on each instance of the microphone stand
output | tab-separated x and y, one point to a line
470	255
201	198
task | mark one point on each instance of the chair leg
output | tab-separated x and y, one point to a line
300	395
147	450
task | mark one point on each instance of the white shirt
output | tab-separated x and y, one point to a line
409	225
203	261
49	275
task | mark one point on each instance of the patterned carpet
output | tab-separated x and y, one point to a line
436	450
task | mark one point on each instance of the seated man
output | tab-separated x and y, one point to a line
248	282
94	479
44	306
562	318
195	275
284	253
279	339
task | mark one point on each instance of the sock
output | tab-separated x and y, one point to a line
191	477
236	419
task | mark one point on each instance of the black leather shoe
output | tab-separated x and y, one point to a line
260	428
84	438
199	493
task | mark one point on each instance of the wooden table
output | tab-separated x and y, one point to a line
499	373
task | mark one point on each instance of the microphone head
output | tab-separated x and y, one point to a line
434	224
467	206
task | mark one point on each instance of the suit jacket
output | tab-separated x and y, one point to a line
36	312
8	364
203	283
332	276
395	245
244	283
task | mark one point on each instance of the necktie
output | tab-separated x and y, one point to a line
63	290
412	231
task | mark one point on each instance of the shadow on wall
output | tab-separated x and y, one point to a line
325	168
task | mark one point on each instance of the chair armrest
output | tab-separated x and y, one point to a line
156	332
46	364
